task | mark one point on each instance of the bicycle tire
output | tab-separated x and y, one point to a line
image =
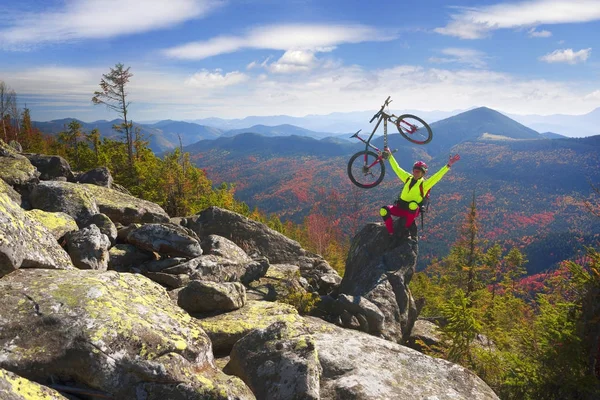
424	135
358	170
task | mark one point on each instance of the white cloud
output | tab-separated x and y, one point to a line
281	37
205	79
567	56
477	22
471	57
81	19
179	94
539	34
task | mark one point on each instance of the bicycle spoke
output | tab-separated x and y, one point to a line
365	169
414	129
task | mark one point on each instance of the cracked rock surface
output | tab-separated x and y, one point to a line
119	333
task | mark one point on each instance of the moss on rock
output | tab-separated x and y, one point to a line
58	223
226	329
109	331
14	387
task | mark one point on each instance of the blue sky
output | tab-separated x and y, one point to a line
230	59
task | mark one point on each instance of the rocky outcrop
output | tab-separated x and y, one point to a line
119	333
212	284
25	243
374	293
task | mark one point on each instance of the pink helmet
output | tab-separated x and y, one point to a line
420	165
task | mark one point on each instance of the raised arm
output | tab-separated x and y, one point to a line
435	178
402	174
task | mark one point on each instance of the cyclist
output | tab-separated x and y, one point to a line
414	191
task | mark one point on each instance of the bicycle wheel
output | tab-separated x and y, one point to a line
366	169
414	129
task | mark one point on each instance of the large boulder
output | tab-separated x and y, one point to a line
125	209
119	333
105	225
51	167
283	364
223	247
88	248
14	387
321	361
207	296
16	169
71	198
379	268
166	239
25	243
98	176
256	237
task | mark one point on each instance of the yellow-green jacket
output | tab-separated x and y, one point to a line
412	195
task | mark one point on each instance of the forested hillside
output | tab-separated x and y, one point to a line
530	192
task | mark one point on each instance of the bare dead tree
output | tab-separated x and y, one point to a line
6	100
113	95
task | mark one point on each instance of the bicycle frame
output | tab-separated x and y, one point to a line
381	115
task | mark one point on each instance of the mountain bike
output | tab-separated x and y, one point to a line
366	168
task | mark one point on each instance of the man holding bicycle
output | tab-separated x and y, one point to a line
415	190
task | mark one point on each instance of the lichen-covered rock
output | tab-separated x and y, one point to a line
223	247
58	223
119	333
25	243
105	225
14	387
322	361
122	257
278	362
17	171
51	167
124	208
359	366
98	176
166	239
10	192
226	329
206	296
67	197
88	248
